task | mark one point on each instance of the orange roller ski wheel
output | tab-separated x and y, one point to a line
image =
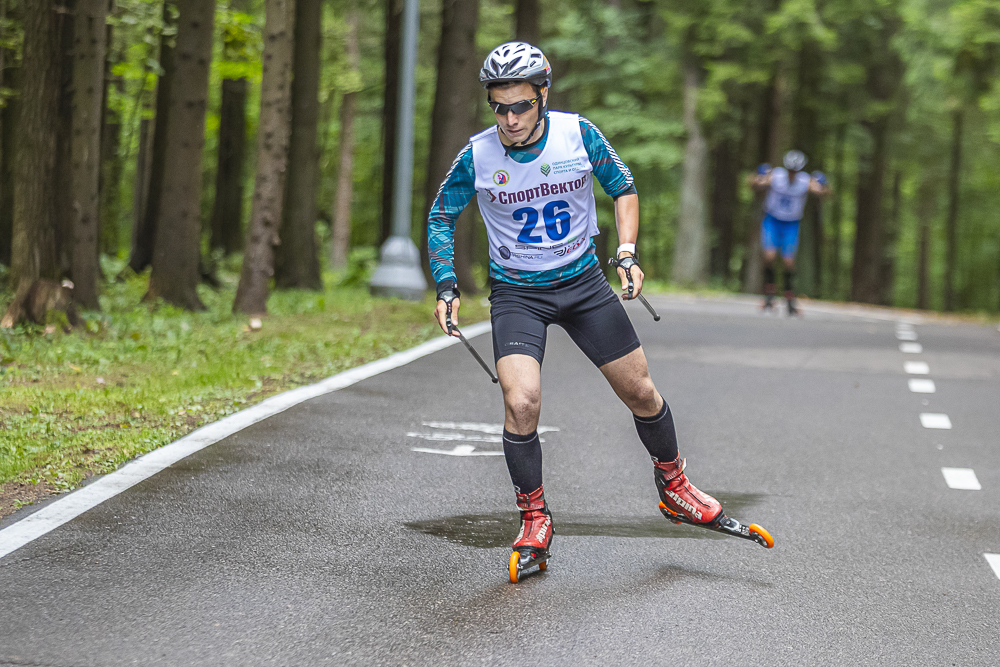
764	535
512	568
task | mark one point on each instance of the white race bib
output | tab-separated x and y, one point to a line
541	214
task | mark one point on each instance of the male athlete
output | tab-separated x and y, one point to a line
532	174
787	190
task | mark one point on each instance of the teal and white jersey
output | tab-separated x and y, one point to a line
460	186
539	215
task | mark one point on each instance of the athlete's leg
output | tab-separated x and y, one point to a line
629	377
769	247
789	247
521	381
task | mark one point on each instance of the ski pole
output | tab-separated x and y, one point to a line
628	274
468	346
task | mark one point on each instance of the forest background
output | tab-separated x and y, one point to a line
156	152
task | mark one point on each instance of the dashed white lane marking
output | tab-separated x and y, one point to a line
911	348
922	386
456	437
460	450
73	505
994	561
495	429
916	367
934	420
906	334
961	478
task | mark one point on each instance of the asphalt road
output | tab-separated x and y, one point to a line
319	536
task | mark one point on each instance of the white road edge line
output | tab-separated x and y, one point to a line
994	561
35	525
961	478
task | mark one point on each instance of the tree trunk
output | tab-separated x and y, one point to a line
526	13
691	247
865	271
296	260
34	253
88	91
837	214
6	153
112	165
453	120
272	156
226	226
393	36
890	235
143	164
753	264
64	142
144	233
227	210
926	211
724	202
951	223
177	251
341	241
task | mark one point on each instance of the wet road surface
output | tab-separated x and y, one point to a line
319	536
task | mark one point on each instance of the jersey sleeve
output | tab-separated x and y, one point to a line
453	196
609	170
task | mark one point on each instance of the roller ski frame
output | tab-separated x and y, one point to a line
725	525
522	561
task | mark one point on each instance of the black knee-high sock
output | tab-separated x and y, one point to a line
768	275
788	280
524	460
658	435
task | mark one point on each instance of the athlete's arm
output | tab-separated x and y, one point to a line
759	181
616	179
818	186
453	196
627	223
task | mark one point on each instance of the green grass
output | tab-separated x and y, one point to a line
138	376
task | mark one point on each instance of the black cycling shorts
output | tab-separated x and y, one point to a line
585	306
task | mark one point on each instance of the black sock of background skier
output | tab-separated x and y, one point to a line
524	460
768	275
658	435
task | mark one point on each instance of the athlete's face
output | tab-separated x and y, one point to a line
515	127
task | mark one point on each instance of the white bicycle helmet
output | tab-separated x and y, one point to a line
795	160
516	61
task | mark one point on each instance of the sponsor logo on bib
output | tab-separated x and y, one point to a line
545	169
500	177
505	252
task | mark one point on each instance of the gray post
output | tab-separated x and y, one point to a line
399	273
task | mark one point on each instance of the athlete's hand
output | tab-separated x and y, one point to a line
637	276
441	313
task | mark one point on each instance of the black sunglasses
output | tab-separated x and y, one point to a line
517	107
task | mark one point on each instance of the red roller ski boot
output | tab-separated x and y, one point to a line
682	502
532	544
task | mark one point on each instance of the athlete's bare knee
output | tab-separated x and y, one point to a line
642	397
523	408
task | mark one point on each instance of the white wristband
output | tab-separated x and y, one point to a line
626	247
